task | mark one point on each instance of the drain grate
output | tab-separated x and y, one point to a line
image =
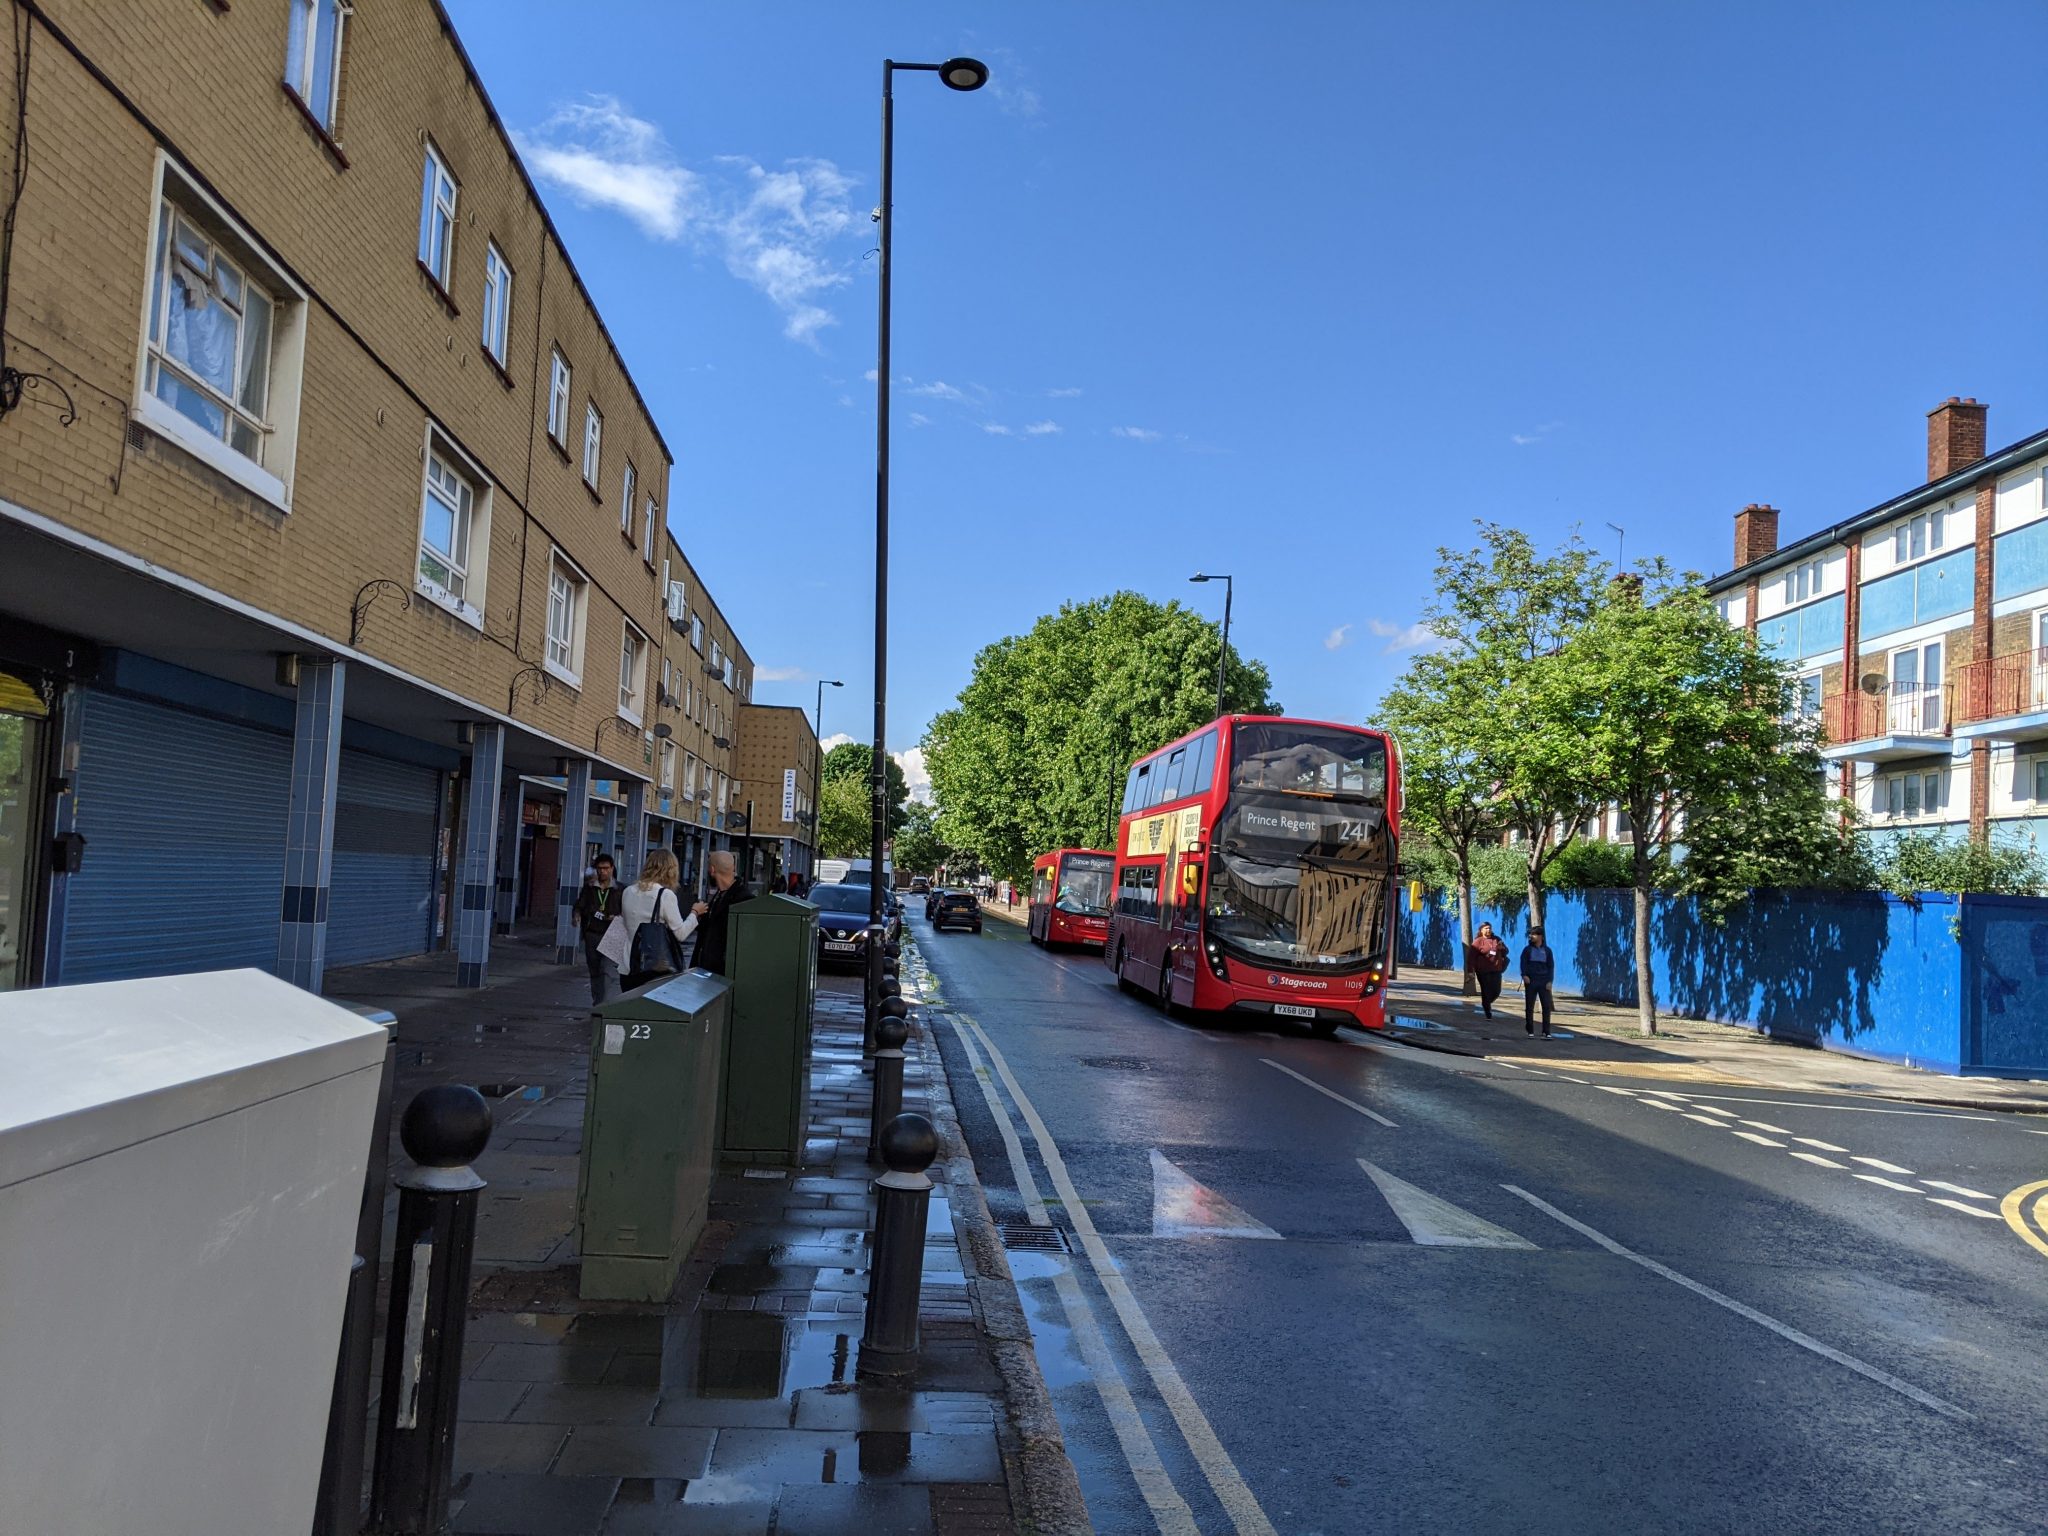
1118	1063
1024	1237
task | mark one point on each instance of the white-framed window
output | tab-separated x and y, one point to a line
497	302
1919	537
1914	707
2040	766
2037	664
690	776
724	785
438	192
652	517
312	57
632	674
1804	581
697	633
1902	796
667	778
717	660
626	500
568	593
1806	695
558	397
454	529
222	343
727	676
678	602
593	443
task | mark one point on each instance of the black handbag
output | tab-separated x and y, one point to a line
656	950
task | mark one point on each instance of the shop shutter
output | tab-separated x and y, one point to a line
383	883
184	819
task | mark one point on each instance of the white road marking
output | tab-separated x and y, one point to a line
1725	1113
1185	1207
1229	1486
1818	1161
1825	1146
1958	1189
1436	1223
1878	1178
1169	1510
1570	1079
1741	1309
1856	1109
1707	1120
1627	1093
1676	1109
1775	1130
1666	1093
1967	1210
1370	1114
1762	1141
1878	1162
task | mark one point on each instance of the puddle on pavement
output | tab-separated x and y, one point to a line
757	1354
1059	1358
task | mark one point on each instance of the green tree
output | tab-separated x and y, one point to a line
1033	754
1929	861
919	850
845	827
1687	724
855	761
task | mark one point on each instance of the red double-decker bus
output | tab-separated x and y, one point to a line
1070	896
1255	870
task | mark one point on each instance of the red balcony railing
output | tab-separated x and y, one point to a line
1858	716
1997	686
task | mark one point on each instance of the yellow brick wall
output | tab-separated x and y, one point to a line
774	738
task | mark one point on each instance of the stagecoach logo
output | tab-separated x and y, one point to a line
1275	979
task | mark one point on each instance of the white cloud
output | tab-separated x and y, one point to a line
870	376
1336	638
1042	429
939	389
919	419
837	739
1137	434
915	779
1401	637
779	674
1536	435
996	429
1067	393
785	232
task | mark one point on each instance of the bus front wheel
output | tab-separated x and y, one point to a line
1123	982
1324	1029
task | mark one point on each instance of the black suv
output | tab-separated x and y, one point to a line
959	908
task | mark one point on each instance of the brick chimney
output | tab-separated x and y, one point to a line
1756	533
1955	436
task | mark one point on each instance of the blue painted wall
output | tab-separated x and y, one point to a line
1859	972
1800	633
2019	561
1933	590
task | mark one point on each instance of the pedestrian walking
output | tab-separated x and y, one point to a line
799	887
597	907
1489	964
727	891
779	886
647	940
1539	970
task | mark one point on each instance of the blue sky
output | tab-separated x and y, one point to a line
1295	291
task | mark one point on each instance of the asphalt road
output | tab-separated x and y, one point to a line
1349	1286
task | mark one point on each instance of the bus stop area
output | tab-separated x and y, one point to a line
735	1403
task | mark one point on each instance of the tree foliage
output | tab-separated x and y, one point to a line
919	850
845	827
1929	861
855	761
1033	754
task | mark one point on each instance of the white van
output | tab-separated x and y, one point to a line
831	871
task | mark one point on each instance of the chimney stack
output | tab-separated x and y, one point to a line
1955	436
1756	533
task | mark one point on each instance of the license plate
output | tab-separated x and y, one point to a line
1294	1010
842	945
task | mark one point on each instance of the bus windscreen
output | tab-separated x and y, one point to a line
1084	884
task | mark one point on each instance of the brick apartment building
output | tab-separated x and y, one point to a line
780	763
345	576
1920	631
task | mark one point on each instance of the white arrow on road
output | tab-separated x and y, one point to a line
1435	1223
1182	1207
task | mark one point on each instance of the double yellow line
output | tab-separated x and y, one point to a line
2014	1208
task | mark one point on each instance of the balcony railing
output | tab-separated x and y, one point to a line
1997	686
1847	717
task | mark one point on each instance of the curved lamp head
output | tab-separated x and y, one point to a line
833	683
964	74
1198	576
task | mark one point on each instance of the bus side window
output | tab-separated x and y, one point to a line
1131	789
1205	763
1173	789
1141	786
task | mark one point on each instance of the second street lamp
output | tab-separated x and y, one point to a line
1222	655
959	74
818	771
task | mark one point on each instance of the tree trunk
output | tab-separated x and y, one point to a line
1646	993
1465	924
1536	891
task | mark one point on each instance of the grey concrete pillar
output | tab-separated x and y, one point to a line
309	824
636	823
575	845
478	887
513	825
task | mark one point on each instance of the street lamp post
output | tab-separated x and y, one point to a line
960	75
1222	655
818	768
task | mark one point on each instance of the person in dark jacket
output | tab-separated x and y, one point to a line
596	905
1489	965
728	890
1539	969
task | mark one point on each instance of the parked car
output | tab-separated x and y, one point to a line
842	924
931	902
919	886
958	909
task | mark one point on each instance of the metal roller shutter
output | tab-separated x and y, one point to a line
184	820
383	884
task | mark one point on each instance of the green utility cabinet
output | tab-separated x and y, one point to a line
650	1134
772	957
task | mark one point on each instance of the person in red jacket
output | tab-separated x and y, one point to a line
1489	964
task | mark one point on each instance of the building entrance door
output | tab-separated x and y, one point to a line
23	718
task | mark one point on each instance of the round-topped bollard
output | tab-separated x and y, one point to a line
888	1345
894	1008
890	986
891	1033
893	950
445	1126
909	1144
891	967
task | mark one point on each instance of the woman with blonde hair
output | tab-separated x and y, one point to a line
651	914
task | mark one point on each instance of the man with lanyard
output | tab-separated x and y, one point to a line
597	904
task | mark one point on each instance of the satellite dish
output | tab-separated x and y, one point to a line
1873	683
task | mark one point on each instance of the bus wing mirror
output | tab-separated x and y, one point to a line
1191	881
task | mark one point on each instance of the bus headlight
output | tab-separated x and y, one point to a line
1214	951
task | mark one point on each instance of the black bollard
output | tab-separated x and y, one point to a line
891	987
888	1344
888	1103
444	1129
872	992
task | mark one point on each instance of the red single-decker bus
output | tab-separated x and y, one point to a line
1070	896
1255	869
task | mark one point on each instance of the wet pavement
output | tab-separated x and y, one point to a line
736	1407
